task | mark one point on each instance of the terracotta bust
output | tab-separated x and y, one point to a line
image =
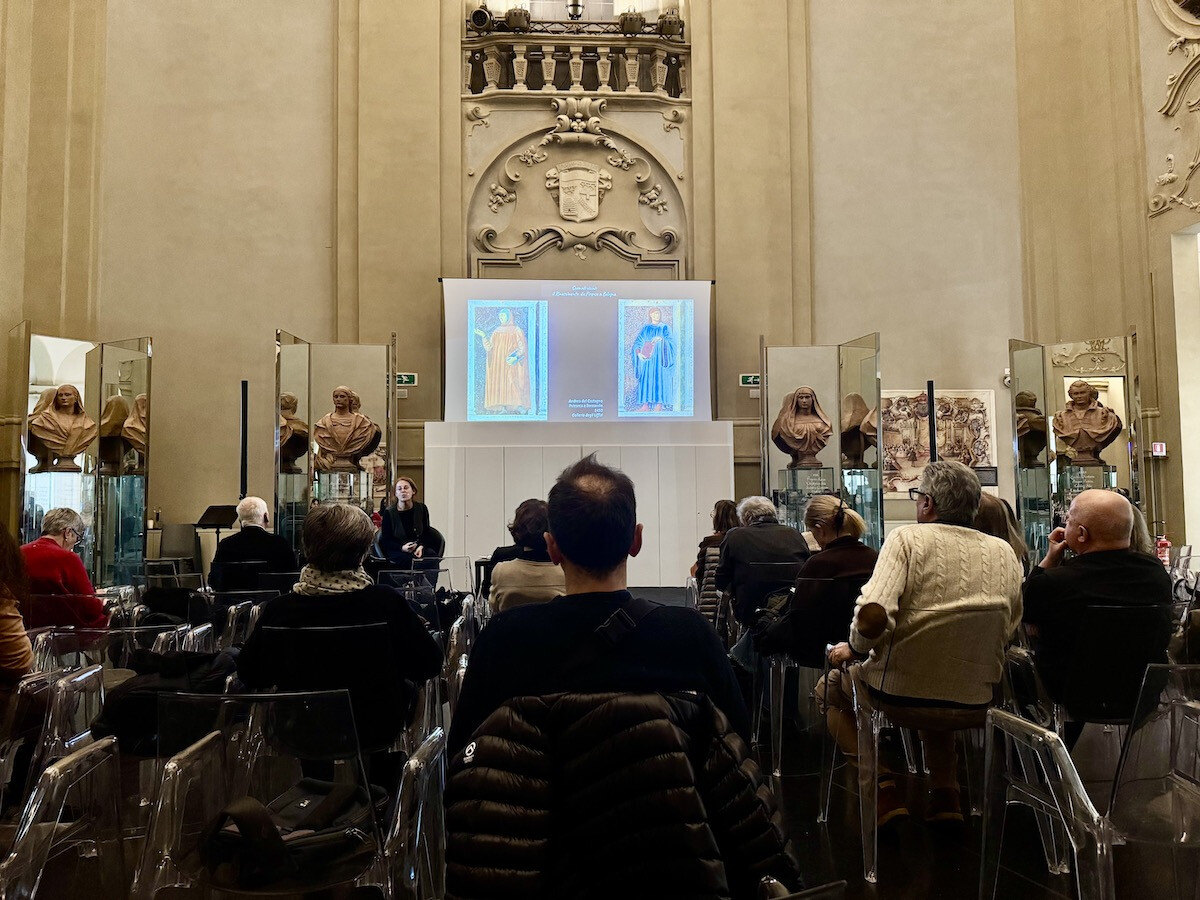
1085	426
293	435
61	430
1031	430
854	439
345	435
802	429
113	447
136	431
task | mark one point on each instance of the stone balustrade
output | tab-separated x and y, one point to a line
576	63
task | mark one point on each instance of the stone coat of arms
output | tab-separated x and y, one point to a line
578	187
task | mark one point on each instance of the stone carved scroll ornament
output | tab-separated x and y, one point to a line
1170	190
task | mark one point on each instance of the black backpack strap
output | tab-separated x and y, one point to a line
263	842
618	626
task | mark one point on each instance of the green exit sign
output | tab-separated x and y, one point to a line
749	380
406	379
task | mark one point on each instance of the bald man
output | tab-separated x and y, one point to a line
1059	593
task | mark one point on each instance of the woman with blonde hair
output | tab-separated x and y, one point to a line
822	603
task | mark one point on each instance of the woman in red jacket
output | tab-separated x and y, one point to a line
62	593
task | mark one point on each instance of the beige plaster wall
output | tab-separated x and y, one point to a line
217	219
916	193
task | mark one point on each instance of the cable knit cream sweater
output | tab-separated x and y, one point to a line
953	597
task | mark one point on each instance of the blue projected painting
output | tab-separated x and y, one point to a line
506	363
655	365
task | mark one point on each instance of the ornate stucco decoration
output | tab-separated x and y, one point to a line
1095	357
1180	19
580	164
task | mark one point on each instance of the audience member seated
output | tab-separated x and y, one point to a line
759	558
1104	572
530	576
995	517
610	795
335	591
53	569
724	519
598	637
406	537
508	551
942	565
16	653
251	544
827	587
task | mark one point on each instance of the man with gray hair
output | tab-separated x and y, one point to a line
53	569
759	558
253	543
948	598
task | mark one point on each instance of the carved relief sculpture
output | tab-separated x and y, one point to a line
293	435
136	431
1031	430
113	446
62	430
344	436
854	439
1085	426
802	429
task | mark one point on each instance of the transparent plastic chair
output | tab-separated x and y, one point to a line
770	889
237	625
74	805
111	648
292	758
200	639
454	682
918	640
76	699
415	849
24	722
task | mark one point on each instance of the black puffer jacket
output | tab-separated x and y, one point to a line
575	796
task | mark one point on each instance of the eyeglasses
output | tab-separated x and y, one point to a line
914	494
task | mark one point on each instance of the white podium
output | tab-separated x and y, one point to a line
476	473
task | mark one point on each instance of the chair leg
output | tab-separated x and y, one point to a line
778	677
868	784
910	756
995	808
971	761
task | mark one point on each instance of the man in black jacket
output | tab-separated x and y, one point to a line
759	558
255	543
597	638
1098	619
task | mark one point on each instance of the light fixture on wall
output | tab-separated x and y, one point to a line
517	18
574	10
631	22
670	24
481	18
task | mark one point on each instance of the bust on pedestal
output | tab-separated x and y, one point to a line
135	431
293	435
345	435
1085	426
1031	430
59	430
802	429
854	439
113	447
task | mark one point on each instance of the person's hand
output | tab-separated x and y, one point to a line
419	552
1058	546
409	547
840	654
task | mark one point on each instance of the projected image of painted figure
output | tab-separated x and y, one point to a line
506	381
653	360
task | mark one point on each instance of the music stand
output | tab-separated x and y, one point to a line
218	517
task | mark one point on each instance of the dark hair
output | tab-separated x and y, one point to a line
996	517
530	523
724	516
593	515
337	537
12	567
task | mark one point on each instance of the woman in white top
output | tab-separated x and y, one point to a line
531	577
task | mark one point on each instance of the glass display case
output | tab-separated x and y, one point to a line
819	406
85	445
1075	421
335	411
